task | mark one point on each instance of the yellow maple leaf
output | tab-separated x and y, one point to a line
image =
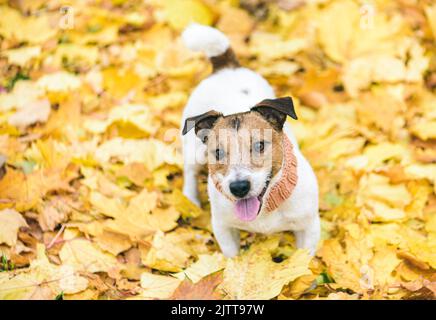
385	201
254	275
42	280
205	265
270	47
165	255
171	251
140	218
346	275
157	286
359	73
153	153
31	29
22	56
180	13
357	30
430	12
83	255
184	205
10	222
384	263
23	93
113	242
77	54
37	111
133	121
61	81
95	180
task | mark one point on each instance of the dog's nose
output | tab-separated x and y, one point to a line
240	188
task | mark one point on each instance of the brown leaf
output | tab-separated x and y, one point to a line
53	213
413	260
205	289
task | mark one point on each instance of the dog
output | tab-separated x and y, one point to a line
258	180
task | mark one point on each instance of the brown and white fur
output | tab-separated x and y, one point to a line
224	109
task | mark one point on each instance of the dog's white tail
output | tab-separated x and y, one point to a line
213	43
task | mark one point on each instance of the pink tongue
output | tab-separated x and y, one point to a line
247	209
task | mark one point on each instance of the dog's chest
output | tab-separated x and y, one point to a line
267	223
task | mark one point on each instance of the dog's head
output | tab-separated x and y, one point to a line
244	151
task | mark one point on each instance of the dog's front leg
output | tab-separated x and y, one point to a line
228	239
193	157
308	237
190	184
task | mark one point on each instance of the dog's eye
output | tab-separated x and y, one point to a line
259	146
219	154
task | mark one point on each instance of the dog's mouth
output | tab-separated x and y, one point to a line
247	209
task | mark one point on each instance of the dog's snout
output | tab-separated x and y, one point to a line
240	188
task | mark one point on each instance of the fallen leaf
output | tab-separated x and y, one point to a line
22	56
179	14
10	222
31	29
37	111
42	280
158	287
205	265
205	289
83	255
254	275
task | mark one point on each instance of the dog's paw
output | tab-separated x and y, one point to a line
230	252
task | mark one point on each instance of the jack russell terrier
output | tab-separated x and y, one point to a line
258	180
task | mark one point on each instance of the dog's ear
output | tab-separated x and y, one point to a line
276	110
201	123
